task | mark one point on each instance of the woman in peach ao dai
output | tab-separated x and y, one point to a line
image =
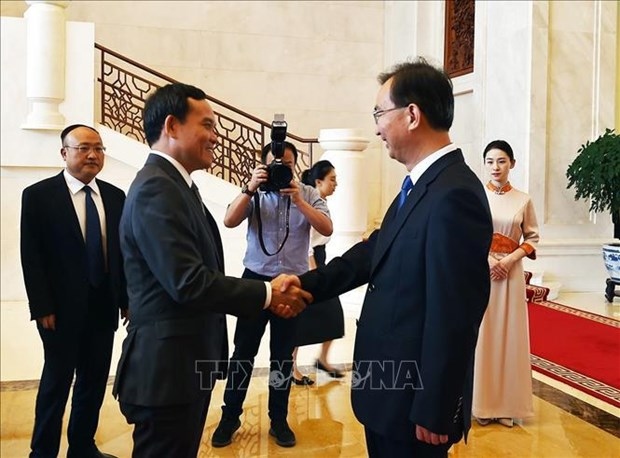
502	373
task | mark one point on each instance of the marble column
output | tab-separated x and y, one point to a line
344	148
45	63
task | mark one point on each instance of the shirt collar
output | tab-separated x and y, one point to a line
177	165
429	160
76	185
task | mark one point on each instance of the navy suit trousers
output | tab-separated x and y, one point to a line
382	447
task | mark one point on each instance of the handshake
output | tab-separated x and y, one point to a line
287	297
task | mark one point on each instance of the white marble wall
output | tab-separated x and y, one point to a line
581	88
259	56
575	47
545	76
30	155
545	79
316	61
34	147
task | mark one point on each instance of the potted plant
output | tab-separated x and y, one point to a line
595	174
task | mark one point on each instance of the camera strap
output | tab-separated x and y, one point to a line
260	225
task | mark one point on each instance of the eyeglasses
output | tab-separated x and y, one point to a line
378	113
85	149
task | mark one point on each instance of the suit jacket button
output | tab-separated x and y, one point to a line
371	287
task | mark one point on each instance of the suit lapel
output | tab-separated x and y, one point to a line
215	233
211	230
66	209
107	206
112	214
393	221
202	213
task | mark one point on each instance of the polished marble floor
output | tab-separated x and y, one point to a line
564	426
322	419
591	302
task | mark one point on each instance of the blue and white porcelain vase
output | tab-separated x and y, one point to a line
611	255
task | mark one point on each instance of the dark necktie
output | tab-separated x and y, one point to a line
94	246
404	190
197	194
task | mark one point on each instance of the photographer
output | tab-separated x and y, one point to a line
279	222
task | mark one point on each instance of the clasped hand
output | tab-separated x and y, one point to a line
287	297
499	269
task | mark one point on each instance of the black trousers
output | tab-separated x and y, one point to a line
380	446
85	353
248	335
169	431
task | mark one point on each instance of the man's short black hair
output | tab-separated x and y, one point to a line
170	99
428	87
267	149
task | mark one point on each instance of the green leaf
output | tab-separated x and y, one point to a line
595	173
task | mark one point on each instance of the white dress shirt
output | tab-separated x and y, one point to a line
78	196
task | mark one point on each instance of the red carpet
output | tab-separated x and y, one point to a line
578	348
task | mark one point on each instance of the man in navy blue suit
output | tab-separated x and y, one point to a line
74	279
427	275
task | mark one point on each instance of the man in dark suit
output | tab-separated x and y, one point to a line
427	275
177	344
74	279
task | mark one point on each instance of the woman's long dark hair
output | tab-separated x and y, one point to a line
317	172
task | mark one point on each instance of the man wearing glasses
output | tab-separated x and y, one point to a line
74	279
427	275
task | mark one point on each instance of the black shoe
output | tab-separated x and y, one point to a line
285	437
333	374
305	380
105	455
224	431
94	453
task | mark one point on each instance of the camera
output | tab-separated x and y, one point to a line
279	175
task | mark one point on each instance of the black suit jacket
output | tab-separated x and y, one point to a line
178	292
428	287
53	255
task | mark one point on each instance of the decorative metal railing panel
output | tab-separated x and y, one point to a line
124	86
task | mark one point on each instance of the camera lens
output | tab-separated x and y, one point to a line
281	176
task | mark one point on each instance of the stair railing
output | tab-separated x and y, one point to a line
124	86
